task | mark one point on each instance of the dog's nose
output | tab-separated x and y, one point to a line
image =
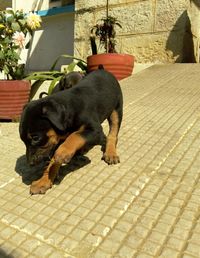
31	160
31	163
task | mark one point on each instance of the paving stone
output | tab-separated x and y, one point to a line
150	248
195	238
124	226
30	244
188	256
57	254
78	234
93	239
162	228
181	233
64	229
18	254
144	255
43	250
157	237
86	224
101	254
126	252
18	238
110	246
68	244
193	249
55	238
168	252
175	243
7	232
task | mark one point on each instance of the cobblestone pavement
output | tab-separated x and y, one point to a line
146	206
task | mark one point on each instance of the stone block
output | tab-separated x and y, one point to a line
82	4
170	15
135	18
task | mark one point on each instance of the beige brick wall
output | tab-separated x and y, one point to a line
153	30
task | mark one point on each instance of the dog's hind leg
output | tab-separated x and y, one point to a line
110	155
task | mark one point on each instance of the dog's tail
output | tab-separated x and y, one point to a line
101	67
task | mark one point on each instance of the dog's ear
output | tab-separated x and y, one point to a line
55	113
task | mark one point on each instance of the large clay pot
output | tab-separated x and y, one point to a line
14	94
120	65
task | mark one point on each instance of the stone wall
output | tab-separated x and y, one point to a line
156	31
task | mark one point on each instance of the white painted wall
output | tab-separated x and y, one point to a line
54	38
30	5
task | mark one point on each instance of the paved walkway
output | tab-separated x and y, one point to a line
147	206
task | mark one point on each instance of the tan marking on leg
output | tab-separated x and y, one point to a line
110	155
68	148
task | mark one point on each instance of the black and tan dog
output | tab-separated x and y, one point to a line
56	127
67	81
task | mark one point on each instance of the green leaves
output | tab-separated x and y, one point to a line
44	75
6	69
10	18
19	71
9	63
1	55
53	83
15	26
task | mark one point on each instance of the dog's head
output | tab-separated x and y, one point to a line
42	127
67	81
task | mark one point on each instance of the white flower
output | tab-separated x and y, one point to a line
19	39
33	21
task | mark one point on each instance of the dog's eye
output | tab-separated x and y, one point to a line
35	138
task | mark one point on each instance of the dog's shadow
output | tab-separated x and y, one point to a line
30	174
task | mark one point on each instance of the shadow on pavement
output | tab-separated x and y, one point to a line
4	255
30	174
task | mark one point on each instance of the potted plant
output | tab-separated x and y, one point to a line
16	29
121	65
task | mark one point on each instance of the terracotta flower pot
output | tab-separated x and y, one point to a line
13	96
120	65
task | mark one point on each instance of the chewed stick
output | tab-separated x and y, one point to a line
52	169
46	181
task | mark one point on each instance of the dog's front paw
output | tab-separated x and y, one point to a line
111	158
63	155
40	186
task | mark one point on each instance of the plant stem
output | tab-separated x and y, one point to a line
107	31
106	9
